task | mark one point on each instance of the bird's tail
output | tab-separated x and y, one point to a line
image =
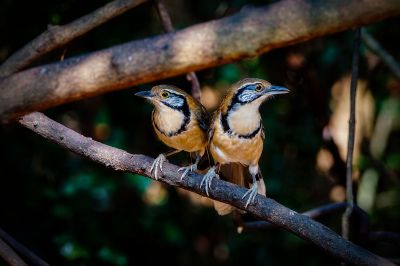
238	174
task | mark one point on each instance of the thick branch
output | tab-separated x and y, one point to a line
58	36
246	34
264	208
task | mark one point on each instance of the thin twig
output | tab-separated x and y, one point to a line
57	36
196	91
168	27
385	236
9	255
313	214
386	57
164	16
350	143
31	257
263	208
325	209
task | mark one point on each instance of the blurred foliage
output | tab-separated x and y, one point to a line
71	211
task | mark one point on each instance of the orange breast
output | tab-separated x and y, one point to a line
192	140
228	148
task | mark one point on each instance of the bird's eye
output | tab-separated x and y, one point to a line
165	94
259	87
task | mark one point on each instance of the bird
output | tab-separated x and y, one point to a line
180	122
236	137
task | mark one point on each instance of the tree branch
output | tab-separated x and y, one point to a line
313	214
377	49
22	250
168	27
9	255
386	236
164	16
351	135
246	34
264	208
57	36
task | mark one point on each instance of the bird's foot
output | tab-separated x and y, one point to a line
208	177
156	167
186	169
252	193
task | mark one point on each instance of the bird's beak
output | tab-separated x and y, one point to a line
273	90
144	94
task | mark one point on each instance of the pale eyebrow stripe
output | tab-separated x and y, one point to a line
247	84
174	92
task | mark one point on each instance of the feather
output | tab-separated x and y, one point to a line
203	118
234	173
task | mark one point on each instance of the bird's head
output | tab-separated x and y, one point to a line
165	96
250	91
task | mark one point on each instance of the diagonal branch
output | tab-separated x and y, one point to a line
313	214
246	34
57	36
164	16
264	208
386	57
385	236
8	254
168	27
22	250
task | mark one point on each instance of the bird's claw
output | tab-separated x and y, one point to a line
252	192
157	166
186	169
208	177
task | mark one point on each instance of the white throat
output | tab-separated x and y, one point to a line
167	119
244	119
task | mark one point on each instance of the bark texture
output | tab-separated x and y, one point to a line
264	208
246	34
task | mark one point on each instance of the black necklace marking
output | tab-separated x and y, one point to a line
186	114
227	128
231	107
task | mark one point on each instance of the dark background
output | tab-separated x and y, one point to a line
71	211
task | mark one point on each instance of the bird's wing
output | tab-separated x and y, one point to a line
262	133
203	118
211	129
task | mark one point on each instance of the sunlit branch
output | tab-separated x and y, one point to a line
248	33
